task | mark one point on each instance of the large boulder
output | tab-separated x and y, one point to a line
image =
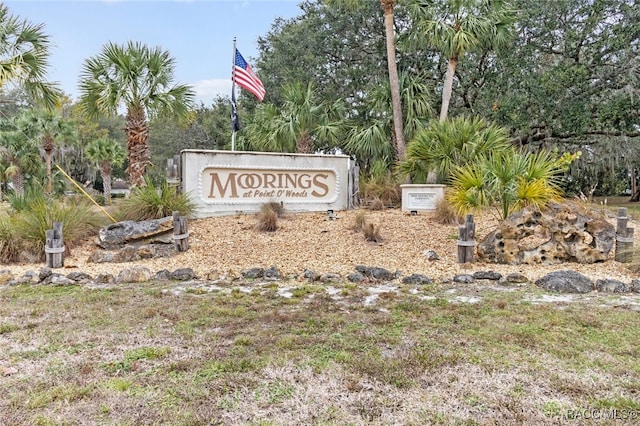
556	234
118	234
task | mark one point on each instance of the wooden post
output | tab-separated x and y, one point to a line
180	232
624	237
466	242
54	246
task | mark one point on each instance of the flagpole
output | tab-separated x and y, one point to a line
233	89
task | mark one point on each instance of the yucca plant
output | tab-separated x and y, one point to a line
509	181
153	202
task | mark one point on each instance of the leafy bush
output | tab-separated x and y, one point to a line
152	202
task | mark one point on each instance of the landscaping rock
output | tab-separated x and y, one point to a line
80	277
566	282
487	275
272	274
44	274
559	233
5	276
463	278
378	274
162	275
183	274
516	278
356	277
59	280
330	278
102	256
118	234
253	273
417	279
611	286
635	286
135	274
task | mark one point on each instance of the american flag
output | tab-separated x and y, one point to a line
244	77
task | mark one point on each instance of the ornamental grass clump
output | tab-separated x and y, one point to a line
445	213
23	227
371	232
268	217
155	202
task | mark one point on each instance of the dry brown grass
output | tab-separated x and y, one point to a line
179	354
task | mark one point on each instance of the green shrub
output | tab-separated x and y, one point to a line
152	202
441	146
78	217
508	181
11	244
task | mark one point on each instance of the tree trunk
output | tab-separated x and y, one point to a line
137	131
394	82
48	145
304	144
18	183
448	87
105	172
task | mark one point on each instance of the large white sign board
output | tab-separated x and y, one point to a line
226	182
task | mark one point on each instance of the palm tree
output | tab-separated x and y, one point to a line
460	26
440	146
24	52
19	156
48	126
105	152
394	82
302	124
140	80
371	143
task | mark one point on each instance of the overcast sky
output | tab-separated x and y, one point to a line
198	33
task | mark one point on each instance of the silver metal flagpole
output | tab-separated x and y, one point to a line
233	88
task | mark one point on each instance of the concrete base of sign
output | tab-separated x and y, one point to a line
421	197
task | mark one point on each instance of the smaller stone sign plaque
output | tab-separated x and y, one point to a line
421	196
422	200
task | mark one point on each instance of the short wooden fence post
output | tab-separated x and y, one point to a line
466	241
54	246
180	232
624	237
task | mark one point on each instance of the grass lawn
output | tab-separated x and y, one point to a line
294	353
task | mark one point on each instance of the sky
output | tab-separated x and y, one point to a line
197	33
